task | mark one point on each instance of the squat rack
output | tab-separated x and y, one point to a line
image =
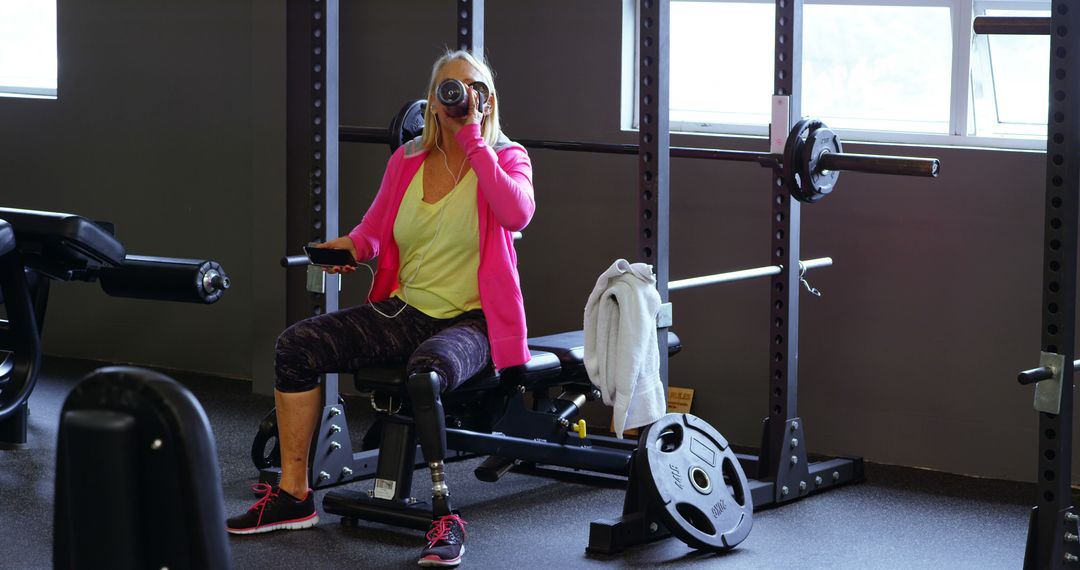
782	471
1052	539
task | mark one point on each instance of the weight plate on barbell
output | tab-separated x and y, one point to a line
407	124
695	482
808	141
820	141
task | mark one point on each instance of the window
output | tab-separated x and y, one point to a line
874	70
28	48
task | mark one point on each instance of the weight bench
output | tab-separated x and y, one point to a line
507	429
39	247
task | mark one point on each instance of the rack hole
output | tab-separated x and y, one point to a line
1050	434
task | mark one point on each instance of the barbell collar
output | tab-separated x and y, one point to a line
1012	25
875	164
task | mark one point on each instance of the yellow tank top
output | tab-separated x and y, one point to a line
440	249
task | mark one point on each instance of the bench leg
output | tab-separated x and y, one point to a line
430	422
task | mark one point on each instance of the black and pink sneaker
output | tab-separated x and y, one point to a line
275	510
446	542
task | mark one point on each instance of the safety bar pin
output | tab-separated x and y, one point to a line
802	277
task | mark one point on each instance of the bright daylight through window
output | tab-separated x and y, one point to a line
28	48
900	71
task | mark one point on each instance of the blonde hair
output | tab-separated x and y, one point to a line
489	127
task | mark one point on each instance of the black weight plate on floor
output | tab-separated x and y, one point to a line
266	458
817	182
407	124
694	481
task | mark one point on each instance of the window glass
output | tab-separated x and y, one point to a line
28	48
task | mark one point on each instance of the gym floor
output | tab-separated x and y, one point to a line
899	518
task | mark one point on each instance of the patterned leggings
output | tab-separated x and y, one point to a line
343	341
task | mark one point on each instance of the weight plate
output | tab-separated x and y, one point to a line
816	181
7	363
793	158
694	481
407	124
262	457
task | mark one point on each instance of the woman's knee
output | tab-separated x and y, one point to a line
294	364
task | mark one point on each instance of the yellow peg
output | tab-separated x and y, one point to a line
579	428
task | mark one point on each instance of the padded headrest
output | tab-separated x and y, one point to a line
73	235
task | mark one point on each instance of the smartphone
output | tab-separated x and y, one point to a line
328	257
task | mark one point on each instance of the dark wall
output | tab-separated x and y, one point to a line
171	124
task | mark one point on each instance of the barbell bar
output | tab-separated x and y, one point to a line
1013	25
812	148
742	274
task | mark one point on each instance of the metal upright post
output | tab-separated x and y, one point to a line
654	154
312	173
783	450
470	28
1052	531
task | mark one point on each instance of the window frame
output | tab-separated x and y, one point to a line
961	112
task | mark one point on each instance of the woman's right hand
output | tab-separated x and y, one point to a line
343	242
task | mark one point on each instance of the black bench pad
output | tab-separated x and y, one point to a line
7	238
570	348
391	378
73	235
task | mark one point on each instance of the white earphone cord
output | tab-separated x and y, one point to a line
420	262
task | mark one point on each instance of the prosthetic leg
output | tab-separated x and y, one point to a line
430	420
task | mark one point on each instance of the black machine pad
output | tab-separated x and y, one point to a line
570	348
74	239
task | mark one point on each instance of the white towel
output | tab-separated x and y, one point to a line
621	353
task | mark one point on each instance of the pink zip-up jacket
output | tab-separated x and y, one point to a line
504	204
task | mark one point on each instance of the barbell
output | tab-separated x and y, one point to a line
813	152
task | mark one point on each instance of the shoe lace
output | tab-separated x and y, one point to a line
440	529
268	494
